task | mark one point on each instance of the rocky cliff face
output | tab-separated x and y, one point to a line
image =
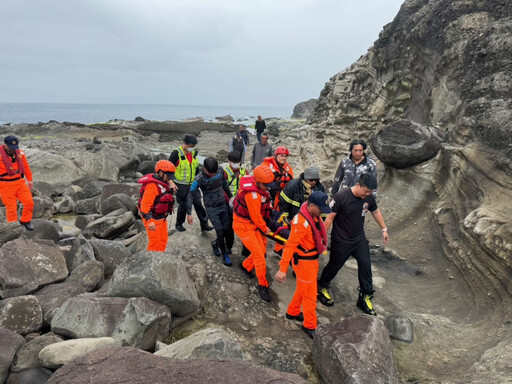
443	63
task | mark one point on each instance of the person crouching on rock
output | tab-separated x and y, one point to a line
252	209
14	169
307	240
212	183
156	203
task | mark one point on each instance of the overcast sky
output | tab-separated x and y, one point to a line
204	52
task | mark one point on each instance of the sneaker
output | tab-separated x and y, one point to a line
325	297
249	274
180	228
299	317
28	225
264	293
309	332
365	303
206	228
216	250
226	260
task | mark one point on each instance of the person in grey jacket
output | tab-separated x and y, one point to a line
261	150
352	167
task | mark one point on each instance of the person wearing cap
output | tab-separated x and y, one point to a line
307	241
237	144
186	162
156	203
14	170
349	208
351	168
295	193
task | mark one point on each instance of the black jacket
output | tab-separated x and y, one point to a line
292	196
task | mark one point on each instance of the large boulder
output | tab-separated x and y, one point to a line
64	204
80	252
81	221
43	207
110	253
356	350
9	231
118	201
406	143
136	322
37	375
57	354
25	266
131	365
22	314
11	342
27	355
90	275
88	206
158	276
210	343
44	229
304	109
111	225
131	190
53	296
45	189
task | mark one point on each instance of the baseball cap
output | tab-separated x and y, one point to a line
11	142
320	199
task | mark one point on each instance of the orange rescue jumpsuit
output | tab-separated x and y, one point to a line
13	188
250	233
301	241
157	238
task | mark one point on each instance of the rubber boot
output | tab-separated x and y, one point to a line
364	302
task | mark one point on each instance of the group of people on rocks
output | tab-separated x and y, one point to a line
268	203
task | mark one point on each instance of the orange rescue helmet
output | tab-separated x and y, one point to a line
165	166
263	174
282	151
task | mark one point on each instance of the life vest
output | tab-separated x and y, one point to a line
164	202
186	171
248	185
9	165
232	180
282	174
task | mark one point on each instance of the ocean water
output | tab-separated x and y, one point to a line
15	113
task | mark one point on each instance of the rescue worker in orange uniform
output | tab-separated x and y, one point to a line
252	209
14	169
282	170
156	203
308	240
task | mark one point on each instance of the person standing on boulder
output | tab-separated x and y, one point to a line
307	241
156	203
351	168
213	185
14	169
349	208
185	160
260	150
252	210
260	127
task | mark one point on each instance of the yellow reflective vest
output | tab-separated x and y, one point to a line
232	181
186	171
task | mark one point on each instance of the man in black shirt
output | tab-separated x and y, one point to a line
260	127
349	209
